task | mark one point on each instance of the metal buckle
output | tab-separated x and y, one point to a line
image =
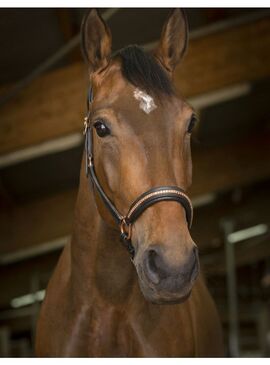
89	164
90	161
123	226
85	124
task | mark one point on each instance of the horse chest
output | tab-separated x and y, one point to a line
165	332
112	333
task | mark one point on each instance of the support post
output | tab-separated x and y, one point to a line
234	350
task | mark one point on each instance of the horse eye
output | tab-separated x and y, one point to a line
101	128
192	123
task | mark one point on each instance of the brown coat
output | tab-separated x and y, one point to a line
99	302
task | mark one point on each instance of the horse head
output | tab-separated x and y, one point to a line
141	140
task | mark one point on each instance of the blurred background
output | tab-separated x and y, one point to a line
43	84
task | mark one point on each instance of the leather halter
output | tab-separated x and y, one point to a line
144	201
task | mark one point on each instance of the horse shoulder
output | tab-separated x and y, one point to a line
54	309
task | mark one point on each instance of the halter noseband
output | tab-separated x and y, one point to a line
144	201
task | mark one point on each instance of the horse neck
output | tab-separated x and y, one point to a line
100	266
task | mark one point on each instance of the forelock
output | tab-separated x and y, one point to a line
143	71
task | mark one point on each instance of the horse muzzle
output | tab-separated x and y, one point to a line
164	282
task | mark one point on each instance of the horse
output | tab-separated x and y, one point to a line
145	297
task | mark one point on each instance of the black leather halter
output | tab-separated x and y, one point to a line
144	201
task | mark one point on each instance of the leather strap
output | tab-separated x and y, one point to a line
90	170
155	195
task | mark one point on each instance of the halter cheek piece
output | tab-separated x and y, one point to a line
144	201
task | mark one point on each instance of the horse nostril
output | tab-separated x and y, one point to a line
151	260
155	266
157	270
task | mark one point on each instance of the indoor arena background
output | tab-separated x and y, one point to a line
225	76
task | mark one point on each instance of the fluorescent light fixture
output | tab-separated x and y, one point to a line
202	200
45	148
247	233
220	96
28	299
33	251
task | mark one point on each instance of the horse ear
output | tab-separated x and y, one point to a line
174	40
96	41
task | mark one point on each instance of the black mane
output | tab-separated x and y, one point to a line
143	71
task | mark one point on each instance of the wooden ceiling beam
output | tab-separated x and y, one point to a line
35	223
236	164
53	105
224	58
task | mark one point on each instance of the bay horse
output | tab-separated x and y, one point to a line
149	300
